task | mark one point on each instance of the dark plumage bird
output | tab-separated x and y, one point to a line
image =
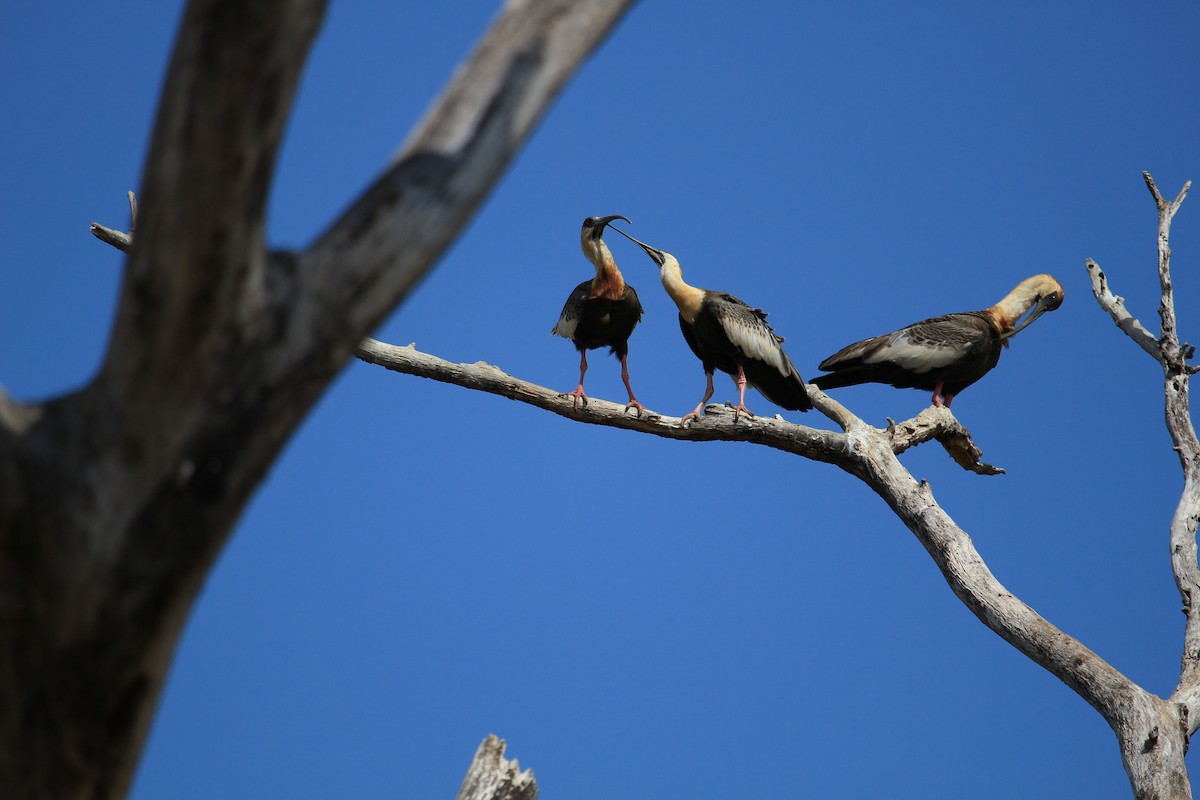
728	335
602	311
944	354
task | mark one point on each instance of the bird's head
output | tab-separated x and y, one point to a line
1037	295
593	230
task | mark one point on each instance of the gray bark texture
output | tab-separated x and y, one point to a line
117	498
1152	732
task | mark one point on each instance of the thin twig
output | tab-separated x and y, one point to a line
119	240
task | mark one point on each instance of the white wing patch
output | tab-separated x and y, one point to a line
756	341
566	327
916	354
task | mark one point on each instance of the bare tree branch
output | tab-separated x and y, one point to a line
938	423
118	497
1172	356
1115	306
493	777
121	241
870	454
717	424
388	240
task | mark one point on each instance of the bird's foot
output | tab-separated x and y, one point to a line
638	408
578	395
694	414
740	409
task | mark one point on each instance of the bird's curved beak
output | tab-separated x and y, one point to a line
654	253
601	222
1044	304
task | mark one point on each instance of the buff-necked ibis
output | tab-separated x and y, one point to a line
601	311
727	334
944	354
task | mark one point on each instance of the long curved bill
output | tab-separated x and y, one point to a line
653	252
1043	305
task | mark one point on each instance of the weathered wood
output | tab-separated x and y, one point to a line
493	777
1154	735
116	499
717	424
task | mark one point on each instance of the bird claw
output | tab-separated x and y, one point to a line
739	409
637	407
578	395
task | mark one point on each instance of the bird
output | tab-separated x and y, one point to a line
727	334
601	311
943	354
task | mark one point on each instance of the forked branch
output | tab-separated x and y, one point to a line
1167	350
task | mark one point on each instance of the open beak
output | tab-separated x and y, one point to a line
1044	304
602	221
654	254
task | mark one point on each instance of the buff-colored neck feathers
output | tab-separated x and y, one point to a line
687	298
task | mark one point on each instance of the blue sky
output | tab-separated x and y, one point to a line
638	617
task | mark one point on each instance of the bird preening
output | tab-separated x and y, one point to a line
727	334
601	311
943	354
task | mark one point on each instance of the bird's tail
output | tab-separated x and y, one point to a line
843	377
785	391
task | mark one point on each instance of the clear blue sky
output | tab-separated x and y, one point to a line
642	618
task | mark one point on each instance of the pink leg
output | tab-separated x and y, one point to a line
937	396
578	393
708	392
741	406
633	403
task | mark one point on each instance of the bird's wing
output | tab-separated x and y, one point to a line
572	311
922	347
747	329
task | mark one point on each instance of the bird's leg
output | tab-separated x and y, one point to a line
741	406
708	392
937	396
578	393
633	403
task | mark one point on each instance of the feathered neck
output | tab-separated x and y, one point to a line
687	298
608	283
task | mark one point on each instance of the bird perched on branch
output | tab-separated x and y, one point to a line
602	311
728	335
944	354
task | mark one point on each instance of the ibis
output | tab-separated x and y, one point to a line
727	334
601	311
943	354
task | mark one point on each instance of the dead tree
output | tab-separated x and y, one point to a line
115	499
1152	731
